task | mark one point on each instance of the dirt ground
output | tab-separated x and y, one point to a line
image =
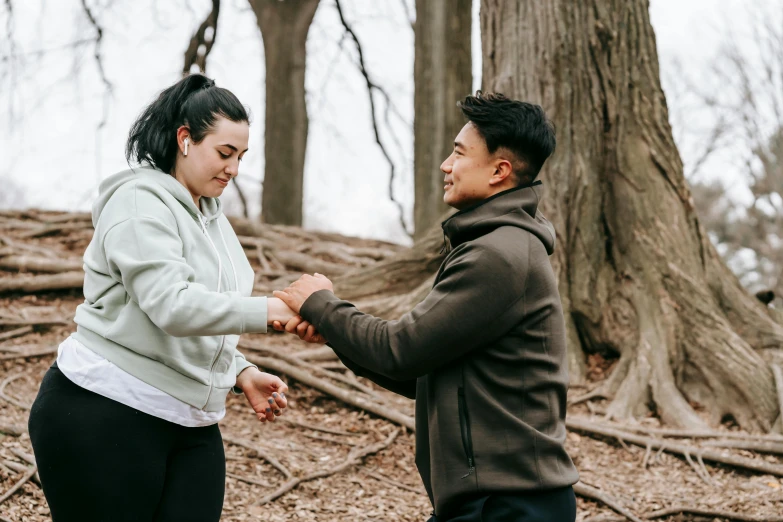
319	432
356	494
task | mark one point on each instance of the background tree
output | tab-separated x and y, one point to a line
639	279
442	75
284	26
742	100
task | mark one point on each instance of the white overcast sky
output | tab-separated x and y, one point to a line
52	103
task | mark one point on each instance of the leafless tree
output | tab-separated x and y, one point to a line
741	96
442	75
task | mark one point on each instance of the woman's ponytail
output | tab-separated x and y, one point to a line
194	101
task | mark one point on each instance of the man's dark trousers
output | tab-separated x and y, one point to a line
557	505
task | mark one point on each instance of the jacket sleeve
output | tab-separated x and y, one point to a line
242	363
478	298
404	388
146	255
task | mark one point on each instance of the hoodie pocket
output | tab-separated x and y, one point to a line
464	427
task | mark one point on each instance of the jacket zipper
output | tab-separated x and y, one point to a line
464	425
223	338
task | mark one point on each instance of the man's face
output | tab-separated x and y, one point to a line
468	170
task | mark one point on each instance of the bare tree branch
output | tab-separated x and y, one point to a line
410	14
371	87
99	60
202	41
9	29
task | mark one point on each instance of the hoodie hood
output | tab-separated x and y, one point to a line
517	207
211	208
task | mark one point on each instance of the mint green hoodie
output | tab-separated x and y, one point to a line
167	288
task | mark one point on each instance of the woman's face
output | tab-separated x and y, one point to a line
210	164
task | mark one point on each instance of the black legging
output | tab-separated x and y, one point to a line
102	461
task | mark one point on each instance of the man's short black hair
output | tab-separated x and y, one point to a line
520	127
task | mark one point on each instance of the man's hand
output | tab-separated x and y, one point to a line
264	392
296	294
302	328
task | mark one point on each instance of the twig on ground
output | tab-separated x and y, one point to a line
693	434
249	480
12	430
647	452
260	452
329	439
11	400
676	447
730	515
23	263
777	373
696	469
585	491
775	448
324	353
597	393
26	352
387	480
342	394
30	284
18	332
21	468
353	458
27	476
312	367
314	427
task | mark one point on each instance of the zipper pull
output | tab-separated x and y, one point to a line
470	472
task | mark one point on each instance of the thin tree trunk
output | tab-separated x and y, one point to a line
442	76
638	277
284	26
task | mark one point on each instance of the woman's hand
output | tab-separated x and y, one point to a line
264	392
278	311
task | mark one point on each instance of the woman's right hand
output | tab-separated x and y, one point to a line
278	311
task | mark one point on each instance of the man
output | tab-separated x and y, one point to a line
484	355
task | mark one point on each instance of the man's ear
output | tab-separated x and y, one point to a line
503	171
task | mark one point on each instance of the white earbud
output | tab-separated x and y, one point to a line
187	140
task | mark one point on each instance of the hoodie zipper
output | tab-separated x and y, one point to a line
464	426
203	223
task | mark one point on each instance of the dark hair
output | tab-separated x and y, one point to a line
520	127
195	102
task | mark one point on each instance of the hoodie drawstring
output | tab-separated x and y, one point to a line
230	260
220	261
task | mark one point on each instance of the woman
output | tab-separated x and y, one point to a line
125	423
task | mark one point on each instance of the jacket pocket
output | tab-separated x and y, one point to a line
464	426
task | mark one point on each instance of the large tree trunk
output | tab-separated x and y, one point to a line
638	277
284	26
442	75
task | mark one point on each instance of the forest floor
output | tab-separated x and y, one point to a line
327	460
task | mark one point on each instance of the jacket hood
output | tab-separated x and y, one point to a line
517	207
211	208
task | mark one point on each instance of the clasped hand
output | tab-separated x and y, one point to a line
294	297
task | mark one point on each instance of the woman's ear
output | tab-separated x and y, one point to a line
184	139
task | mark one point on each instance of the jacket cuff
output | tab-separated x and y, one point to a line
254	312
242	364
314	307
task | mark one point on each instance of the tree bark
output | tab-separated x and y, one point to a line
442	76
194	55
284	26
639	279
